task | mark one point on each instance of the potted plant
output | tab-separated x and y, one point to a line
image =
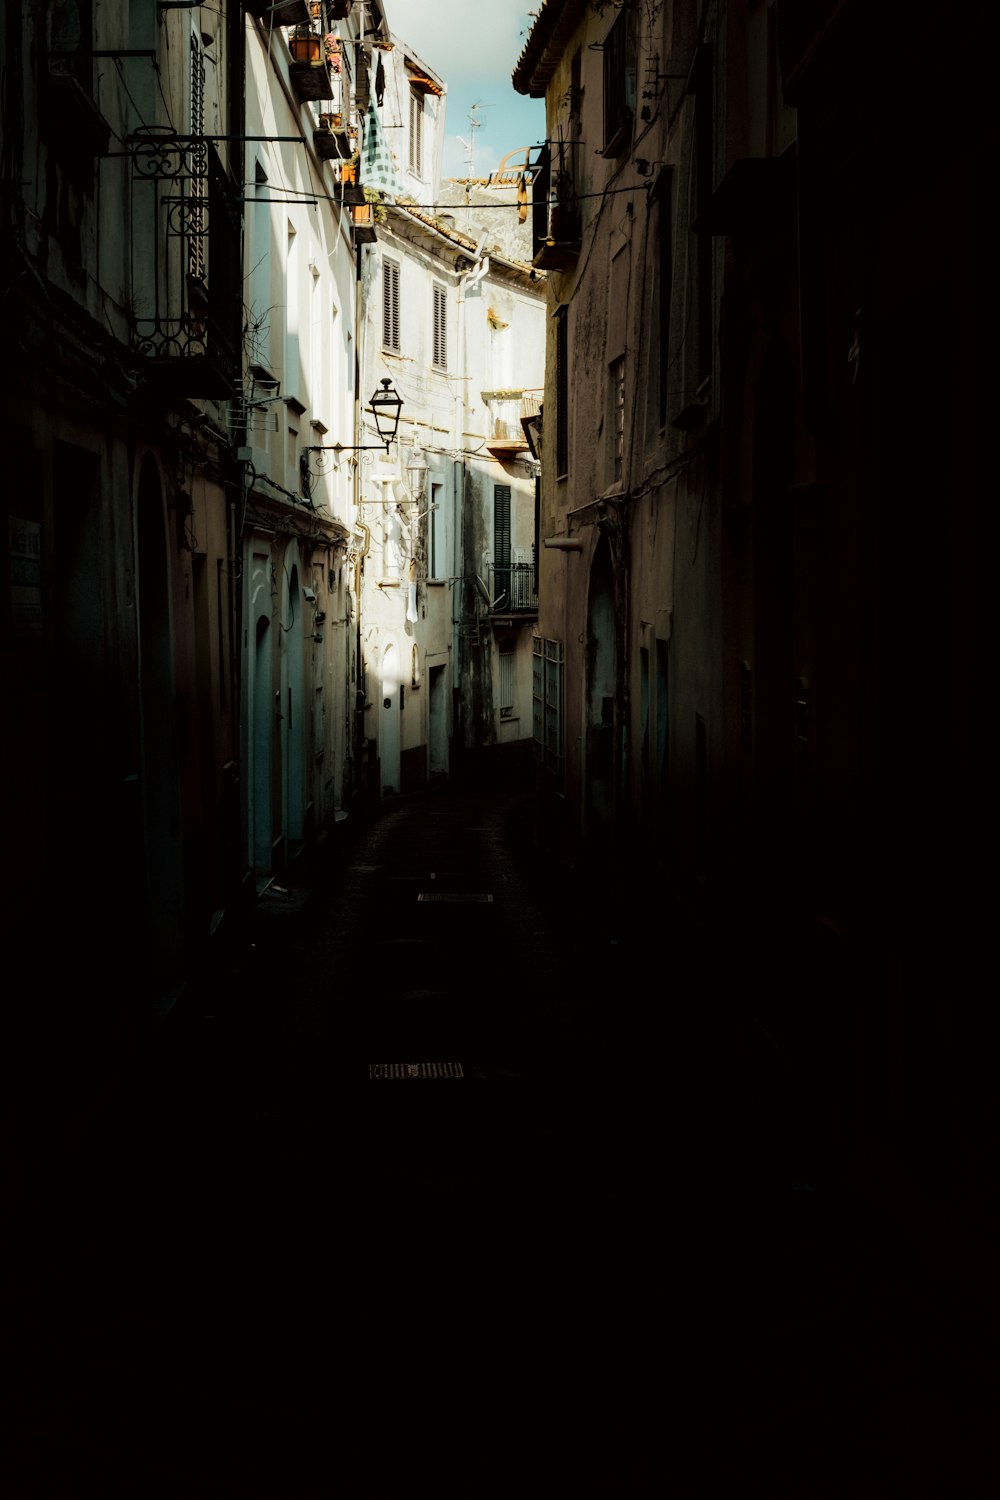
304	45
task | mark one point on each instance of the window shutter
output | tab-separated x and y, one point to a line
416	133
501	525
390	305
440	328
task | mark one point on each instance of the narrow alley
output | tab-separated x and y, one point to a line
592	1247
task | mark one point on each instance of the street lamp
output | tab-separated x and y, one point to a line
385	406
416	473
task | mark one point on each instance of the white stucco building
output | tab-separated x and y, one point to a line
447	516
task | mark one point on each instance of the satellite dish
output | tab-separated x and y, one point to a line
482	591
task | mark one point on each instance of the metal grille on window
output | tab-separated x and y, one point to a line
440	328
197	185
506	684
390	304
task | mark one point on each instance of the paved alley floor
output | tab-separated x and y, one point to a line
597	1249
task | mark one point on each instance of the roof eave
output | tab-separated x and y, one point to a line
556	22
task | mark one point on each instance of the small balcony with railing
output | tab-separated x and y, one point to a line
513	586
186	264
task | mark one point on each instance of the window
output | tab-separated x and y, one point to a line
416	132
440	336
390	305
546	706
562	393
619	84
616	390
506	684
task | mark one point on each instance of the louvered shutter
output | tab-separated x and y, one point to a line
501	525
440	328
416	133
390	305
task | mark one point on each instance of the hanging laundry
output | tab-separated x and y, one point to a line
376	169
379	81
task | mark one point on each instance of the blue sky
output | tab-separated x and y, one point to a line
473	45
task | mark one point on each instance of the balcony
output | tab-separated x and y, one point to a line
332	141
514	587
508	440
363	220
187	308
555	213
312	81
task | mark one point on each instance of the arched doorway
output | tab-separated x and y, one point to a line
388	722
163	850
293	709
602	683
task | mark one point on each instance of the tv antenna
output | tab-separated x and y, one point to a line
475	123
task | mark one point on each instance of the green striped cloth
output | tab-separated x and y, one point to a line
377	170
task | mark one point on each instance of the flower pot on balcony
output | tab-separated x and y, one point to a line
363	218
306	46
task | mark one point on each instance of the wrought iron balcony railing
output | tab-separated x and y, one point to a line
513	588
187	307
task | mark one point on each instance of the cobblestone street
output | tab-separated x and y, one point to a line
607	1257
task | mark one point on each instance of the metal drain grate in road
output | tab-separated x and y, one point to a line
451	896
416	1070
